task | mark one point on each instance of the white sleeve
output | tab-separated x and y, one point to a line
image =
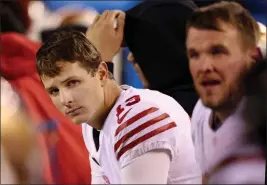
149	168
96	173
146	128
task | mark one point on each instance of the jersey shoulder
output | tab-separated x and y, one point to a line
200	115
143	125
156	98
199	111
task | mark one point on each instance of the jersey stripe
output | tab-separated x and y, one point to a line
124	115
135	118
140	128
145	137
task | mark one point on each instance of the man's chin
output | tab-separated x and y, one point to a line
212	104
78	120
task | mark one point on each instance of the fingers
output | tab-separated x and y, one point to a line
95	20
100	18
112	15
121	21
112	19
116	18
104	16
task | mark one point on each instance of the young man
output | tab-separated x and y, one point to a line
222	46
145	136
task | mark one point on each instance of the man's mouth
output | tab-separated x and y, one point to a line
210	83
72	112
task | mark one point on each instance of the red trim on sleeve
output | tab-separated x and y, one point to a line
134	119
139	129
145	137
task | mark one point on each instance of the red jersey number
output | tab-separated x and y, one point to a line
129	102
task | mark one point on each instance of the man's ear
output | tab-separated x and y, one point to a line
103	71
254	55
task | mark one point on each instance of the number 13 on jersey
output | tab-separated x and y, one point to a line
126	107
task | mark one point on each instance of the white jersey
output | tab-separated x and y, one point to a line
212	146
142	121
243	166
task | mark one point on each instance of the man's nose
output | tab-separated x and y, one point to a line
206	63
66	98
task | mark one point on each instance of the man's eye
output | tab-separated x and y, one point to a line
218	51
54	92
73	83
193	55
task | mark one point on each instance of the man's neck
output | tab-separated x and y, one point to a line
223	112
111	93
220	115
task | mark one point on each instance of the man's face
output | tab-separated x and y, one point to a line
218	64
138	70
75	92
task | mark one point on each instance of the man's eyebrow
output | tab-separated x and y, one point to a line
62	82
219	46
67	79
188	50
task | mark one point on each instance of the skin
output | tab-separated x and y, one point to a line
108	39
218	64
138	70
105	37
82	96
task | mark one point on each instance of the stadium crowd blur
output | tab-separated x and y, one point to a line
40	145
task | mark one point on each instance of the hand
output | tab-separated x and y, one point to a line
104	36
